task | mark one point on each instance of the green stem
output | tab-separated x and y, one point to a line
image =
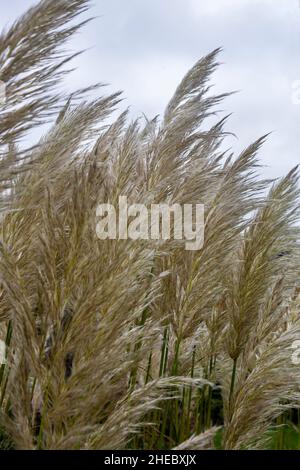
174	371
233	376
157	415
188	421
164	353
209	398
148	368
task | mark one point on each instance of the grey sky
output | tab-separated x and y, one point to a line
144	47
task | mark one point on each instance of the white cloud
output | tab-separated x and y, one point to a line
229	7
216	6
144	48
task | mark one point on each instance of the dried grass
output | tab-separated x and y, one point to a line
123	344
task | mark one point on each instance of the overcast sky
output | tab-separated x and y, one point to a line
144	47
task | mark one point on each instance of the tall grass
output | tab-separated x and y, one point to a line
119	344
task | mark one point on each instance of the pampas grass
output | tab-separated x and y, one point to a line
120	344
